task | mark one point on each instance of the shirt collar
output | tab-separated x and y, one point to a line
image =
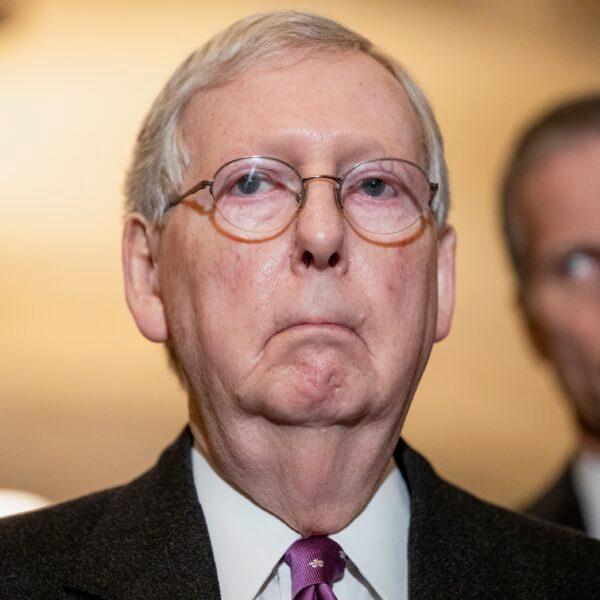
249	542
376	541
586	479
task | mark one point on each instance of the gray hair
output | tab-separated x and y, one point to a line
160	156
575	118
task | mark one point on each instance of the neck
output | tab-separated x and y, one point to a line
301	474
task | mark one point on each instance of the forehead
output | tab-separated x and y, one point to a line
339	109
559	197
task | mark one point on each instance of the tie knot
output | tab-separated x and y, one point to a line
314	560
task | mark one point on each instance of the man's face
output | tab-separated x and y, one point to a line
276	330
559	203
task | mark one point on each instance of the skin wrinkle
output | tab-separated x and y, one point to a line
282	414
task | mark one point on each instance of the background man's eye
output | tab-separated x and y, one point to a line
248	184
580	265
373	186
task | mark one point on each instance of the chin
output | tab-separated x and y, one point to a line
301	402
322	525
308	384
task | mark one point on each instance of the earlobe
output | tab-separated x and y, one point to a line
445	281
140	270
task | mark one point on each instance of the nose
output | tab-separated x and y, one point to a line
320	228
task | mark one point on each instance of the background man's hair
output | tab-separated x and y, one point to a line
561	124
160	156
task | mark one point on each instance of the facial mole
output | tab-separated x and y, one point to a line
392	287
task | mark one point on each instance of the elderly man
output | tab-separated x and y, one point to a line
551	209
286	240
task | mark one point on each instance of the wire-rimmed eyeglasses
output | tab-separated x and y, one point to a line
260	195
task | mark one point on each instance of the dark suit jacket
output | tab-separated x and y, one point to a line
559	503
148	541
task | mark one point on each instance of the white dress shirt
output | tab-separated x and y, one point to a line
248	542
586	479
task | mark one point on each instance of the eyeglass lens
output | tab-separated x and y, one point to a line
385	196
256	194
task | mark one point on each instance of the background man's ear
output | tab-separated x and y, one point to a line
534	331
141	241
445	281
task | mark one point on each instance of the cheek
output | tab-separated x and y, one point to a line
569	323
220	293
239	283
408	281
402	290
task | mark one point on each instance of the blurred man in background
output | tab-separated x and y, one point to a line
551	219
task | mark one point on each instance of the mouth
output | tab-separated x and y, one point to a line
316	325
324	325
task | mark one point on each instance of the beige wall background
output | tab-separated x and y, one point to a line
85	401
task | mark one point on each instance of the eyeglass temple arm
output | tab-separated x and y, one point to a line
192	190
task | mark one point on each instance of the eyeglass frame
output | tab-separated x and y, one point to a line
301	196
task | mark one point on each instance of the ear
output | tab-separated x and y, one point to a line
141	241
445	281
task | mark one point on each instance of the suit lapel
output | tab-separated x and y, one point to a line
445	546
152	541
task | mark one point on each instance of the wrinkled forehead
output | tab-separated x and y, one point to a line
339	108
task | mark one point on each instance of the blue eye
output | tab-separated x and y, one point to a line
248	184
373	187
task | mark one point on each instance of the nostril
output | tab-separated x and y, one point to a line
307	258
334	259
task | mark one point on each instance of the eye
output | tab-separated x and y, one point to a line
248	184
581	266
373	187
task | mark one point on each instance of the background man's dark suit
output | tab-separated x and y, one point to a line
560	503
148	540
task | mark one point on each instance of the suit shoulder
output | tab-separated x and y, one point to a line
511	525
460	541
527	543
36	545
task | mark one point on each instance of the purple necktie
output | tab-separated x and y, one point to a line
316	562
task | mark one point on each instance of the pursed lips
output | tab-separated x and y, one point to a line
317	322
